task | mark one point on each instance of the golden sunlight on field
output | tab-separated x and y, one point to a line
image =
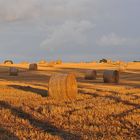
101	110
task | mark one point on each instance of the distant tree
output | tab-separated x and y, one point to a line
136	61
103	60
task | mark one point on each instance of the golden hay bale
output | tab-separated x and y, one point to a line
120	63
91	75
8	62
111	76
33	66
42	62
13	71
122	67
63	86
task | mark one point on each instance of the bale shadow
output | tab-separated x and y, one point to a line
45	126
7	135
42	92
116	99
132	128
88	93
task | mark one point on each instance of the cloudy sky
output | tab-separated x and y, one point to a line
71	30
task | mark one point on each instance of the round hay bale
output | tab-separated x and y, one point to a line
33	66
42	62
111	76
91	75
13	71
8	62
63	87
122	68
118	62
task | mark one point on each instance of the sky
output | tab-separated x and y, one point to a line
71	30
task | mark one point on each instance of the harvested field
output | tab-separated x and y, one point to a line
101	110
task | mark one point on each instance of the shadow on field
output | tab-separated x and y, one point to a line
115	98
132	128
45	126
7	135
125	124
42	92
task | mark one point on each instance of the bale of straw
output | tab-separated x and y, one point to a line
118	62
111	76
33	66
42	62
13	71
8	62
63	87
122	68
91	75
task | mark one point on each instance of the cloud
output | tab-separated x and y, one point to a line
116	40
67	27
11	10
70	35
111	40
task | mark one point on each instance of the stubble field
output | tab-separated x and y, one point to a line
101	111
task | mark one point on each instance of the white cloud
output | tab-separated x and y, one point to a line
70	34
115	40
111	40
11	10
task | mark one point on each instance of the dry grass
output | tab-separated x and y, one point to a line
101	111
